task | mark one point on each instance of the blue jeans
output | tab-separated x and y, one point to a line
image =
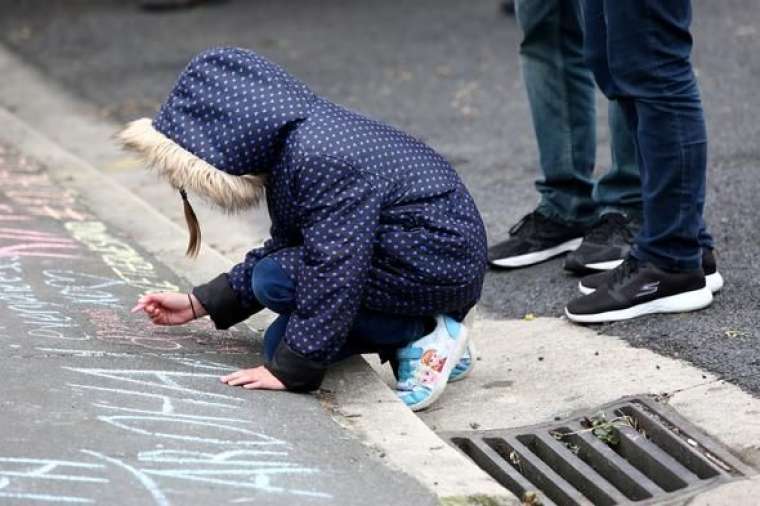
639	52
561	94
372	332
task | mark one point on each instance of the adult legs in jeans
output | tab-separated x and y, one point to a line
575	214
372	332
561	95
639	52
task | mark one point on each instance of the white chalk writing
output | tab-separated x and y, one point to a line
43	317
127	263
81	288
145	480
166	428
16	472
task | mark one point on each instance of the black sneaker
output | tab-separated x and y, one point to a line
534	239
604	247
713	279
636	289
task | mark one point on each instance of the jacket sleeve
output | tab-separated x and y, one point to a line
339	209
229	298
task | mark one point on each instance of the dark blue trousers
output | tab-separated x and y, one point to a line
639	52
372	332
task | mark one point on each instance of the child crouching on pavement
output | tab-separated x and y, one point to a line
376	246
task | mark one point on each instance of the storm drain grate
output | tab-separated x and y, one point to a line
633	451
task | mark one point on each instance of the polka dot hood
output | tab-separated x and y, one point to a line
233	109
363	215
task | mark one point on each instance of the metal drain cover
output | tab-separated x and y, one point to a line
633	451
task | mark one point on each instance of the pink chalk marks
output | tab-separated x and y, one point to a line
7	213
20	242
31	194
110	327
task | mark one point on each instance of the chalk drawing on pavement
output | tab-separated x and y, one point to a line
15	242
83	289
185	432
122	258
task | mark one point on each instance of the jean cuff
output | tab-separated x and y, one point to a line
667	264
549	212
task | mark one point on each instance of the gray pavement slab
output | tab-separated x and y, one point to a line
100	408
448	72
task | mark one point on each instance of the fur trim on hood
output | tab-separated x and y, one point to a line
183	169
222	128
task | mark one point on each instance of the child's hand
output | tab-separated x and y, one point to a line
257	378
169	308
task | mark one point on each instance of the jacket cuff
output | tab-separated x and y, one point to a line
297	373
222	304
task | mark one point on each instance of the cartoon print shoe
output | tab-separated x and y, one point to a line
465	365
426	364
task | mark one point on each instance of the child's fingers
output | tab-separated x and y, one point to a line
142	303
145	299
156	312
240	377
240	380
152	305
225	379
160	317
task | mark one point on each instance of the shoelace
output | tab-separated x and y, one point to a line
607	227
629	267
528	224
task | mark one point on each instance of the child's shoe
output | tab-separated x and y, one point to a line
465	365
426	364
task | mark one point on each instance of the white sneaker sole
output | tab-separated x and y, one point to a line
604	266
451	361
538	256
680	303
713	281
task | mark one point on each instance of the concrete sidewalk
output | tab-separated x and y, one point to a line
532	372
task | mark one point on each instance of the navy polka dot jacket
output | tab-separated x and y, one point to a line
362	213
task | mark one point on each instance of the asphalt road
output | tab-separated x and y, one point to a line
448	72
